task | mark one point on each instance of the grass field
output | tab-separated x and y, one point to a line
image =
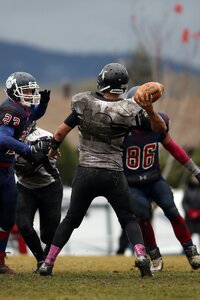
99	277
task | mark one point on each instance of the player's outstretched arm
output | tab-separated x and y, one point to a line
58	137
40	109
181	156
157	122
145	96
70	122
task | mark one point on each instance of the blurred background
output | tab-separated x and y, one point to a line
65	44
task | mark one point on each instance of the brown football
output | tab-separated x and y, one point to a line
151	88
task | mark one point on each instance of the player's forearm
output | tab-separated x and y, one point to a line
193	168
182	157
12	144
157	123
70	122
39	111
59	135
177	152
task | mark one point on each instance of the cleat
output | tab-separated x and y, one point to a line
156	260
45	269
157	265
143	264
39	263
4	269
193	257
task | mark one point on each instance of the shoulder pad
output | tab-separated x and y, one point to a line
39	134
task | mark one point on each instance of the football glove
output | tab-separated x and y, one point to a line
198	177
45	96
39	151
24	169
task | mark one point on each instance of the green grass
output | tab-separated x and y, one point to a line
99	277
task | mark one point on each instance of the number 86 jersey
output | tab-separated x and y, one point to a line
141	154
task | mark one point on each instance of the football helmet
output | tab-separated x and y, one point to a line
131	92
113	78
22	87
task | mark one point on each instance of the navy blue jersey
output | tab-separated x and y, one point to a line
15	120
141	151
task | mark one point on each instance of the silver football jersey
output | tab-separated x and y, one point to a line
39	177
103	125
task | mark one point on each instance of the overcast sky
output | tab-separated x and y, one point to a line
96	26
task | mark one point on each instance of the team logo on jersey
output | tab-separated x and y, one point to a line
10	81
143	177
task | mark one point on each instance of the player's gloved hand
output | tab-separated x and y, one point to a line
39	151
198	177
40	145
45	96
24	169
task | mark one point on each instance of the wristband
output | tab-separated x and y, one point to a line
54	144
192	167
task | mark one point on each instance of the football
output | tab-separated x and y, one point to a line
151	88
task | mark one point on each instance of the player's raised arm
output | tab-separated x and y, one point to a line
145	95
181	156
63	129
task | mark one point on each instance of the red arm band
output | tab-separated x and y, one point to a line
177	152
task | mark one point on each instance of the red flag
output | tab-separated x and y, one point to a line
133	18
185	35
178	8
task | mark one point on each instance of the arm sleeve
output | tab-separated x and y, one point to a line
7	141
39	111
177	152
181	156
72	120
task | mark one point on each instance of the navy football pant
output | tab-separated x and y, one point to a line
160	192
8	198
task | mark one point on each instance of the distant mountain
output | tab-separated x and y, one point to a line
54	67
51	67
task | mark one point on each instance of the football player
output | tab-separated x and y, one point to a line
39	189
103	118
141	165
24	105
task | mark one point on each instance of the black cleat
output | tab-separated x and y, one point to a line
39	263
143	264
45	269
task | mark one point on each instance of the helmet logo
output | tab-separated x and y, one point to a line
32	85
103	74
10	81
